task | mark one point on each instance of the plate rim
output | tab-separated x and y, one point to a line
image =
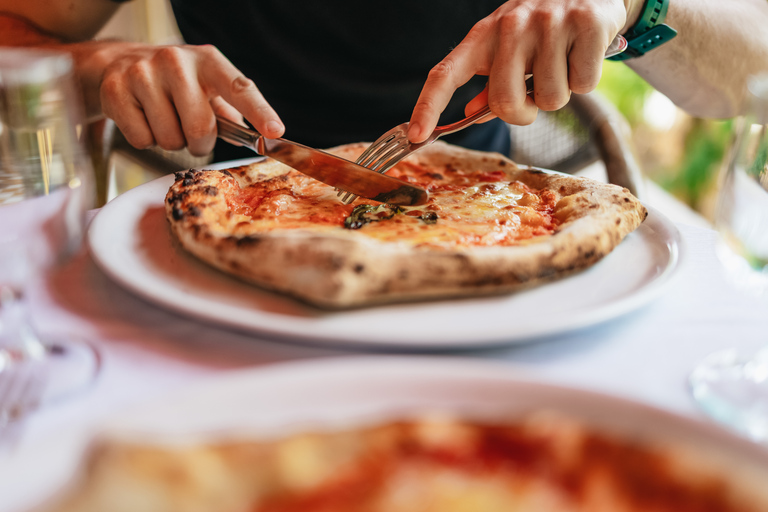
68	466
267	324
434	370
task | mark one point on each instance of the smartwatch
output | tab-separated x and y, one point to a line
648	32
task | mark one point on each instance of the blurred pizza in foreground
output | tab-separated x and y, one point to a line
543	463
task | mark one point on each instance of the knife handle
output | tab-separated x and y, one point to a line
237	134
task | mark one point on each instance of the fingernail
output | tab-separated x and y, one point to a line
414	130
274	127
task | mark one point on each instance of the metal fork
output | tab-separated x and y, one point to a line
22	385
394	145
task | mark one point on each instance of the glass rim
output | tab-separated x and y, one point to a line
757	86
757	98
19	66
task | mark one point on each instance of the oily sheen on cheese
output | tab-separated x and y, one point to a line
465	208
489	227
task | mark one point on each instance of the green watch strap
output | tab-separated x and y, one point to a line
648	32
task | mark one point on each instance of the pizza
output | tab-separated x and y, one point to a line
490	226
543	462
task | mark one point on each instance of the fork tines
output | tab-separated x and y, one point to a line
380	152
380	156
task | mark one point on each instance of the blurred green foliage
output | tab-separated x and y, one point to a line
696	175
625	89
692	176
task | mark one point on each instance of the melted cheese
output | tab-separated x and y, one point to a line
545	462
472	208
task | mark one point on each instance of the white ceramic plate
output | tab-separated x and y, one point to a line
344	392
130	240
362	390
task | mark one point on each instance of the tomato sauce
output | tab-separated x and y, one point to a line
466	208
640	479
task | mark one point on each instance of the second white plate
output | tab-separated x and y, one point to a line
130	240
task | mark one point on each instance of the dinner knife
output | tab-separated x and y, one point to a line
330	169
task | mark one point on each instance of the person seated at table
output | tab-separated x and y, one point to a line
336	71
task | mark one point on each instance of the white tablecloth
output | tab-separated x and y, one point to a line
148	351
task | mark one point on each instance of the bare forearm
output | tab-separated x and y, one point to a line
67	20
719	45
15	30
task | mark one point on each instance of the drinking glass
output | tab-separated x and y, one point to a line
729	386
45	189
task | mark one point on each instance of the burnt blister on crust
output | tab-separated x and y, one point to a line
190	177
210	190
195	177
336	261
184	175
197	181
177	197
246	241
181	196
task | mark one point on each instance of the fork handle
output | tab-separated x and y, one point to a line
476	116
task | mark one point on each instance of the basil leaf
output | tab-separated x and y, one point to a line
362	214
429	218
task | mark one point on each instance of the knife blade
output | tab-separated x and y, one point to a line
322	166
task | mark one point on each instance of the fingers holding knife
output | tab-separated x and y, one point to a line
169	96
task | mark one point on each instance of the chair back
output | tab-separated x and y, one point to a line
586	130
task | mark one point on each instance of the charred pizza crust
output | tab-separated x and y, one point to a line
339	268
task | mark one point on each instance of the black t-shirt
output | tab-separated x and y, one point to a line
340	71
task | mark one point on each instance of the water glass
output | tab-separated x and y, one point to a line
45	189
730	386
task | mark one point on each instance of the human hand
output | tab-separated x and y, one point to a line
562	43
169	96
